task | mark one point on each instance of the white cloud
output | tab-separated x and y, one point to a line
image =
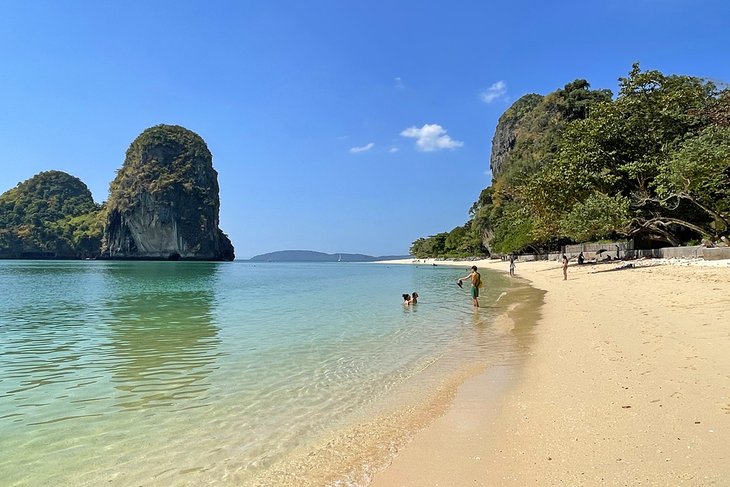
497	91
393	150
431	137
364	148
398	83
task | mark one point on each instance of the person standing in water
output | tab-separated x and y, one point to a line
476	283
409	299
512	266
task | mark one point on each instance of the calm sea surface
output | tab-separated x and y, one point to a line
174	373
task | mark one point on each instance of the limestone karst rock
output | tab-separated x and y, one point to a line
505	134
528	133
163	203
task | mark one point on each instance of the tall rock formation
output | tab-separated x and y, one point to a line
164	202
505	135
528	133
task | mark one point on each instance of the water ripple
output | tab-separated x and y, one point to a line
180	373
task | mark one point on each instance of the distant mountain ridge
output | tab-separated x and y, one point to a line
312	256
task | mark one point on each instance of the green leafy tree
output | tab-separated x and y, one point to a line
513	230
625	147
432	246
652	163
699	173
596	217
50	212
522	210
453	241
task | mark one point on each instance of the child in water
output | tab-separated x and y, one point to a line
414	297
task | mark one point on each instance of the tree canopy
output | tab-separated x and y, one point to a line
52	212
651	163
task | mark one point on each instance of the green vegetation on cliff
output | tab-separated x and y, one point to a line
576	165
161	158
538	131
164	200
51	214
162	204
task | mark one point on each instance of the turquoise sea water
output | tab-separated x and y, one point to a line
175	373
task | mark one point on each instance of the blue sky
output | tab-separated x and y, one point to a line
338	126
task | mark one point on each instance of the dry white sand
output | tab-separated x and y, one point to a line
628	383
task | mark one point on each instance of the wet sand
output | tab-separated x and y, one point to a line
627	383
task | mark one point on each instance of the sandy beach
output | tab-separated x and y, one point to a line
627	383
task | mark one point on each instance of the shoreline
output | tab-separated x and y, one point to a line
627	382
355	453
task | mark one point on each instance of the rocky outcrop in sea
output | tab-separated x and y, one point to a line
164	202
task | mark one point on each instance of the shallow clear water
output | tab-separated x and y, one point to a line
174	373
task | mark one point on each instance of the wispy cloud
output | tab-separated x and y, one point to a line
431	137
497	91
398	82
393	150
364	148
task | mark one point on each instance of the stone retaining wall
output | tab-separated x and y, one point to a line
716	253
625	250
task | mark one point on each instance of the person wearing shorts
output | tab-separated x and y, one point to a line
476	282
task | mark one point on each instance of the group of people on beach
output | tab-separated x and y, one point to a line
475	279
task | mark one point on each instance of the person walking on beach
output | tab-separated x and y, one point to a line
476	283
512	266
565	268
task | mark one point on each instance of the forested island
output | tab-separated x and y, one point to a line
163	204
576	165
51	214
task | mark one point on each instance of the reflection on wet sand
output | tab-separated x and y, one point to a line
503	325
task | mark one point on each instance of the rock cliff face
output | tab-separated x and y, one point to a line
528	134
505	135
164	202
